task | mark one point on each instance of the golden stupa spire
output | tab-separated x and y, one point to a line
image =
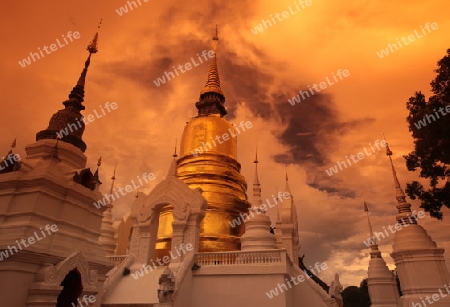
212	80
403	207
78	91
175	155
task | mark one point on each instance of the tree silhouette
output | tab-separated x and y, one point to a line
429	123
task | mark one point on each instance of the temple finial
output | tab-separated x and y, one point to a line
96	174
78	91
256	166
216	39
366	209
14	143
256	185
173	164
288	189
113	178
403	207
278	207
175	150
212	98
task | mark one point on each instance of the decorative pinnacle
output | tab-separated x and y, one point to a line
366	209
288	189
114	173
215	39
256	167
113	178
93	46
403	207
213	80
175	150
256	185
78	91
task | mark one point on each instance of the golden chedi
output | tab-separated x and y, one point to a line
208	160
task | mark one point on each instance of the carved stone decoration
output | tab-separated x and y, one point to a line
86	179
181	212
335	290
54	274
166	286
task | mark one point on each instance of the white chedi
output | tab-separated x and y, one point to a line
257	234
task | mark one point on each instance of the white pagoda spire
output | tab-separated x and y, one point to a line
420	264
107	230
257	234
381	282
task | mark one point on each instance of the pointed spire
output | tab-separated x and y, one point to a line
404	208
256	185
14	143
373	240
366	209
256	180
213	80
175	150
71	116
173	166
77	92
113	178
374	251
96	174
212	98
288	189
278	208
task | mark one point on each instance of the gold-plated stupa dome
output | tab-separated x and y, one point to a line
208	160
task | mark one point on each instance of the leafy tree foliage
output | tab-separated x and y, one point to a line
356	297
429	123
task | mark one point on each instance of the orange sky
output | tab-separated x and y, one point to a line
259	73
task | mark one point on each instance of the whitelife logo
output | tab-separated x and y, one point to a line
71	36
360	156
323	85
429	117
377	235
31	240
411	38
107	198
207	146
109	106
165	260
170	75
280	17
91	300
300	278
124	9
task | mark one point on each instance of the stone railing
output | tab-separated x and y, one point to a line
239	258
117	259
